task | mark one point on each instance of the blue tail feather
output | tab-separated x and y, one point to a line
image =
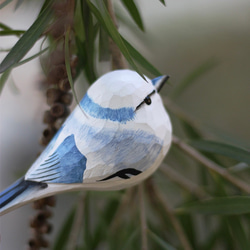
16	189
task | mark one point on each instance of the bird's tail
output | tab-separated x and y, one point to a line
18	194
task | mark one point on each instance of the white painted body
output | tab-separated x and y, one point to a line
109	141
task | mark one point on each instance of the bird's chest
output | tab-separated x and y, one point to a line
109	150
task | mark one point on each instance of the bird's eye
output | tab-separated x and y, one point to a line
147	100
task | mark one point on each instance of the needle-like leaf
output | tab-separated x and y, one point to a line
100	11
222	205
28	39
134	12
222	149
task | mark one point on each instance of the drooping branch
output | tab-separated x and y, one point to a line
118	61
183	182
156	195
211	165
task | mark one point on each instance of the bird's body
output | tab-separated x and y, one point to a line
116	137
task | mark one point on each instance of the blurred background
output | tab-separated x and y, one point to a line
178	39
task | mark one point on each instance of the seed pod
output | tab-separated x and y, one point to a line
47	135
46	228
64	85
39	204
58	110
57	73
38	242
50	201
48	118
56	57
53	95
66	98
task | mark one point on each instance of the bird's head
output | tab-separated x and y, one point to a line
123	97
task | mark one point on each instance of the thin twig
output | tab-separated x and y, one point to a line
183	182
210	164
144	240
77	224
118	61
127	199
179	231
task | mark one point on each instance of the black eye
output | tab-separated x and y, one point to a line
147	100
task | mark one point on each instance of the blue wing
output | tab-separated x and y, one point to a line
65	165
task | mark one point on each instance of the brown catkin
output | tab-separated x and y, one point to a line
58	98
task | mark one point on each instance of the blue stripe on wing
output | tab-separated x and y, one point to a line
121	115
65	165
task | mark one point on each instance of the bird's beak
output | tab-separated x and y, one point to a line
159	81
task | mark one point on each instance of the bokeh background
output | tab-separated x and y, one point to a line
177	40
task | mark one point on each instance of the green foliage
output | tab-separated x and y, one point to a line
28	39
230	151
4	78
134	12
199	209
223	205
6	2
101	13
161	243
92	22
163	2
7	31
140	59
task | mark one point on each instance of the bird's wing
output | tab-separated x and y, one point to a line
65	165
